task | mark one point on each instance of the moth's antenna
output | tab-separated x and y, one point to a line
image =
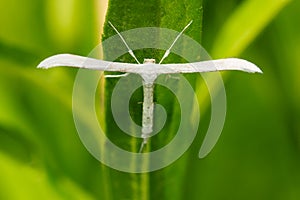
129	50
168	51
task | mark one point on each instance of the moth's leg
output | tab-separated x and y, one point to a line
116	76
169	76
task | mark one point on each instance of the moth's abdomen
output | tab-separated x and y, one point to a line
147	121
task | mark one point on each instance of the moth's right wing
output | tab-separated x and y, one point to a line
211	65
69	60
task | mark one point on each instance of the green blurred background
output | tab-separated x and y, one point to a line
257	156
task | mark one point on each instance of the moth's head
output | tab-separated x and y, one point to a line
149	61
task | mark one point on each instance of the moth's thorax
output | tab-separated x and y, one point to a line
149	61
149	74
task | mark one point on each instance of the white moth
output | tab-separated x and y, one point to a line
149	71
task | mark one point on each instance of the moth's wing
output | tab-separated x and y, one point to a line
69	60
212	65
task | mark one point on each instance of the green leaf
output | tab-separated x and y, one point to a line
134	14
244	25
18	181
36	125
240	29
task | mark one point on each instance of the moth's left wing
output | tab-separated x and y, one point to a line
70	60
211	65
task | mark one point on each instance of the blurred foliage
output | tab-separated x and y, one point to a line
257	156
